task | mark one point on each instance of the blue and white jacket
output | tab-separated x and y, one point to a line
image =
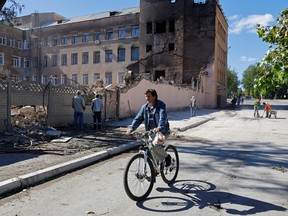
159	115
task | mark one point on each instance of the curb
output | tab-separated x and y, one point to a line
195	124
18	183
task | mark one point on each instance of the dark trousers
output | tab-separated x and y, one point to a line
78	115
97	120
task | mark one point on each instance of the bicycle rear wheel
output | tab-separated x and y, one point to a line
138	180
169	173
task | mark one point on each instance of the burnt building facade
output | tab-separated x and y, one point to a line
181	41
185	42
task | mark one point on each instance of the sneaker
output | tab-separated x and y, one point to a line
168	161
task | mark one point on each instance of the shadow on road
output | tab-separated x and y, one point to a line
202	194
11	158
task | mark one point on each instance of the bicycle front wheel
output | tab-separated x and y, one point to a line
139	178
169	173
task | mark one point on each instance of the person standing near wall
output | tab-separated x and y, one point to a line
78	104
192	105
97	106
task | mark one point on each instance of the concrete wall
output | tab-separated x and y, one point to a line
117	103
174	97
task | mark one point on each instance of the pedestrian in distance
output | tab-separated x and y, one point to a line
233	102
239	100
192	104
78	104
97	106
154	115
256	108
267	109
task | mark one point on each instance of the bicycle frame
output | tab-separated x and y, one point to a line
147	154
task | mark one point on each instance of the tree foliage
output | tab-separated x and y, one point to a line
250	77
10	9
274	65
232	82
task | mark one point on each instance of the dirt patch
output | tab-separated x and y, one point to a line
19	161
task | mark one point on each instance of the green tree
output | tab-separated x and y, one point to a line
250	77
9	9
232	82
275	62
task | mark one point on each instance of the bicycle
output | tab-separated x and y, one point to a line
142	169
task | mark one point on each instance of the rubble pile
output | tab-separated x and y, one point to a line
28	122
27	115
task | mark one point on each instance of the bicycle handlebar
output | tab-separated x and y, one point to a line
144	134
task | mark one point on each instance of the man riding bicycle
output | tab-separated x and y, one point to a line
154	115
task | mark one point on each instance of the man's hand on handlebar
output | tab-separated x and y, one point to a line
129	131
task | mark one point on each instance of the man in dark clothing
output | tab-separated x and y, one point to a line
97	107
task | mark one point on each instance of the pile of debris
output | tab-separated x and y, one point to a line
30	133
28	115
28	125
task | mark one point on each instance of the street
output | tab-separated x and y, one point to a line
232	165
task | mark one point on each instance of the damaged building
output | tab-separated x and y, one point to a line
181	41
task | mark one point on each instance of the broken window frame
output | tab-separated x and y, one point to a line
148	48
160	27
171	47
172	25
149	28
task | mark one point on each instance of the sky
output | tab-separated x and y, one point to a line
244	46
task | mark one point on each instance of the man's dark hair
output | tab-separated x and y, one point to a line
152	91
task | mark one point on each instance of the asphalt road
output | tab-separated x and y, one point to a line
232	165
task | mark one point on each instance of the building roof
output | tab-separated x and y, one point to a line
101	15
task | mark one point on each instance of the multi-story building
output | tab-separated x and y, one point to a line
182	41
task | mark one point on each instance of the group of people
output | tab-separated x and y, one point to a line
78	104
267	109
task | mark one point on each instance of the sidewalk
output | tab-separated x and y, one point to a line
179	121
